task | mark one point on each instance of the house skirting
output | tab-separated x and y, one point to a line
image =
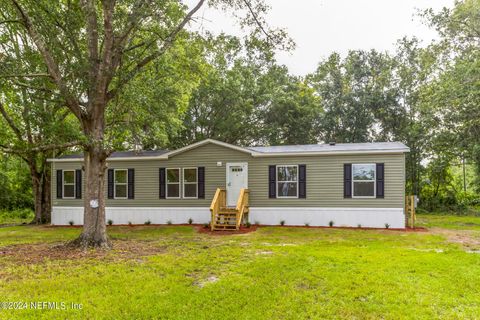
341	217
295	216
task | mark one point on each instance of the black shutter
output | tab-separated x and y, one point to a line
78	184
131	184
110	173
380	180
302	181
201	182
347	180
162	186
272	181
59	184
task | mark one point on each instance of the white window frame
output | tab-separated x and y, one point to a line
121	184
185	183
278	181
179	183
374	181
69	184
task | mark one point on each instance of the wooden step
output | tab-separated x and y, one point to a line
227	213
224	227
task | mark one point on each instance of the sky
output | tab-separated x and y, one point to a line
320	27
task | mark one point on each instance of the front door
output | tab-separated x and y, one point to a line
237	178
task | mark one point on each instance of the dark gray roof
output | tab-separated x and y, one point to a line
338	147
121	154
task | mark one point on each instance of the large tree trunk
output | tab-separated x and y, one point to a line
94	232
46	196
41	193
37	194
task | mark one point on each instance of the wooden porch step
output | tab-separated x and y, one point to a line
224	227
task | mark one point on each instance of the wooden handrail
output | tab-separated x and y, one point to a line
218	202
242	205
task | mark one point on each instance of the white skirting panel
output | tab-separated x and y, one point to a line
136	215
341	217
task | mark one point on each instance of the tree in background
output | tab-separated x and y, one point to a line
354	93
454	94
34	125
246	98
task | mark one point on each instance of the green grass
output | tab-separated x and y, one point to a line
459	222
18	216
273	273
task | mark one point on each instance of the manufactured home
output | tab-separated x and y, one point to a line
352	184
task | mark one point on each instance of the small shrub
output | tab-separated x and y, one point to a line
248	224
307	224
110	222
71	222
387	226
359	225
169	222
190	221
206	225
257	223
25	213
130	223
148	222
282	223
331	223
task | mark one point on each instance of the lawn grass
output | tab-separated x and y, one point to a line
446	221
273	273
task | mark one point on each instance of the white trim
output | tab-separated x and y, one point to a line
374	181
254	154
189	183
179	183
204	142
341	216
121	184
276	181
74	184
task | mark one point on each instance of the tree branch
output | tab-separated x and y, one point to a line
48	147
92	40
254	15
26	75
169	40
10	122
52	66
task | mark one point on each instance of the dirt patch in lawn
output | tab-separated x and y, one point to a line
40	252
469	239
202	229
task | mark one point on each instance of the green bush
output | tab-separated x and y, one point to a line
16	216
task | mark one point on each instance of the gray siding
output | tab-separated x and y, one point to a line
324	179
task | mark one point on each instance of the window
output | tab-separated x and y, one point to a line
69	184
287	181
173	183
190	183
121	182
363	180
